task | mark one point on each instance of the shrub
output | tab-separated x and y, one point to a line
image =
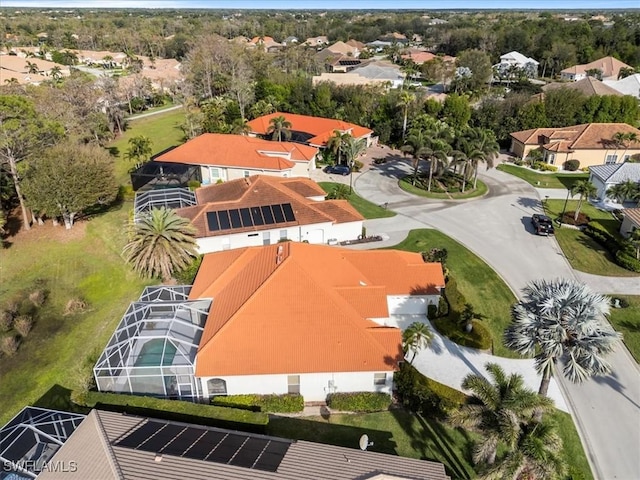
620	302
23	325
359	401
188	275
435	255
545	167
627	261
9	345
193	184
37	297
572	165
290	402
357	165
6	320
479	337
74	305
125	192
179	411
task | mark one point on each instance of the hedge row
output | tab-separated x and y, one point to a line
359	401
263	403
622	251
179	411
424	395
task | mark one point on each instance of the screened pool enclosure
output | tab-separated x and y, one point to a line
153	350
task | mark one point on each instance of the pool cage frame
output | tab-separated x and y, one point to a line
169	198
162	315
32	438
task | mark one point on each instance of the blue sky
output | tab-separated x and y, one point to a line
332	4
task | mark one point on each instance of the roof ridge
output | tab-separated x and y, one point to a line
115	467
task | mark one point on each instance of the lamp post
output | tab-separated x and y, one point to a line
544	205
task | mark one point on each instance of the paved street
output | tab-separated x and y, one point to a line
497	228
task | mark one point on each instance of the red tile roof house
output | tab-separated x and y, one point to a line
608	67
261	210
287	318
227	157
591	143
314	131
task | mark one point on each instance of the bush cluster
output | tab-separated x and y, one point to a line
544	167
621	250
423	395
359	401
289	402
572	165
179	411
188	275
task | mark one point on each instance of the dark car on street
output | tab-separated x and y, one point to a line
338	169
542	224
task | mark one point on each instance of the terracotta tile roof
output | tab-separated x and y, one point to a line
588	86
239	151
320	128
609	66
589	136
296	308
259	190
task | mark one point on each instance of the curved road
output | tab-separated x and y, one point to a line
497	228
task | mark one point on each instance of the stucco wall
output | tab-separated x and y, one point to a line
410	305
627	226
314	387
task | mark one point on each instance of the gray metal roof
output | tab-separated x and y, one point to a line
98	457
617	172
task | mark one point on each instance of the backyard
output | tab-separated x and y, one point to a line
543	180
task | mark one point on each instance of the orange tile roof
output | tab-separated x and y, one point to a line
259	190
239	151
300	308
588	136
320	128
609	66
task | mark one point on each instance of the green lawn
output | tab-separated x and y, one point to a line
87	266
163	129
584	253
572	450
627	321
480	285
543	180
405	184
366	208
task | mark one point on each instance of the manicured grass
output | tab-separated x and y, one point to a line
479	284
627	321
470	192
366	208
572	450
87	266
395	432
584	253
164	131
543	180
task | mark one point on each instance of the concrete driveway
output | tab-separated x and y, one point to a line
497	228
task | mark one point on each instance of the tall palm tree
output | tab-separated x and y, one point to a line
562	320
467	155
353	148
56	73
279	127
406	99
336	144
624	139
585	189
32	67
621	191
417	336
497	409
161	243
484	140
536	455
415	145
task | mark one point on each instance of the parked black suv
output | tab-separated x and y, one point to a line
542	224
338	169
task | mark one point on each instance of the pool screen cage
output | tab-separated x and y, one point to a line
153	350
168	198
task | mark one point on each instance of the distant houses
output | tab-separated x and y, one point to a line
606	68
514	64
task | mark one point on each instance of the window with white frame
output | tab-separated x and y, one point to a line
283	234
246	173
611	158
214	172
379	379
293	383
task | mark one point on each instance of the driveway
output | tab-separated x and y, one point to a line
497	228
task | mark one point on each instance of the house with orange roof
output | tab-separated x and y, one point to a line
224	157
268	44
263	210
608	68
591	144
421	56
314	131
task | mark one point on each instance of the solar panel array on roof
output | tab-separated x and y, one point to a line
250	217
218	446
349	62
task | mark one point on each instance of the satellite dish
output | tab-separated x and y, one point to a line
364	442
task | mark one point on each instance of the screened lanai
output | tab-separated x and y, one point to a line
168	198
154	347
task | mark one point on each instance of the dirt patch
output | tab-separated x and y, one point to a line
46	232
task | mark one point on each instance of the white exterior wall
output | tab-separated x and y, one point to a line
316	233
227	173
627	227
601	186
314	387
303	169
410	305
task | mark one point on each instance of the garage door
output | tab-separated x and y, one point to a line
315	236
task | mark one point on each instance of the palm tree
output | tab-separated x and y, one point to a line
621	191
406	98
484	141
417	336
279	127
536	455
161	243
32	67
240	127
467	154
352	148
562	320
56	73
339	192
415	145
336	143
497	409
585	189
139	149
